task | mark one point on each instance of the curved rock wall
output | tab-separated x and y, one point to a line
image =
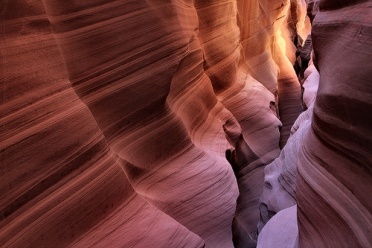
150	123
279	189
61	185
334	169
151	102
328	174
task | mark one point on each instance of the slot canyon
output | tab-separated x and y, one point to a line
186	123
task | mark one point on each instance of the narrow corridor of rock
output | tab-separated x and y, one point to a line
179	123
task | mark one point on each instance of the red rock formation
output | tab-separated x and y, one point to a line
334	169
279	190
115	129
60	182
149	94
333	160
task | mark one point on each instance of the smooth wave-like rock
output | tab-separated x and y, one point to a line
160	123
147	102
333	160
281	231
168	94
60	183
250	101
279	189
334	165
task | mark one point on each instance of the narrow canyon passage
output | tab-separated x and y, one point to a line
179	123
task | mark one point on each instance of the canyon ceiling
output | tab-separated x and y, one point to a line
180	123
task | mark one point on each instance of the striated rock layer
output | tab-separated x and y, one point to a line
334	169
150	123
149	101
279	190
60	183
328	174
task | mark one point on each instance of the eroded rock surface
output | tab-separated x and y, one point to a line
334	158
160	124
334	164
61	185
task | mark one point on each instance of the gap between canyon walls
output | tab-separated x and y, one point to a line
249	56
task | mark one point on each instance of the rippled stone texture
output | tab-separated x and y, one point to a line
60	183
279	189
334	169
333	160
118	128
167	95
150	97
